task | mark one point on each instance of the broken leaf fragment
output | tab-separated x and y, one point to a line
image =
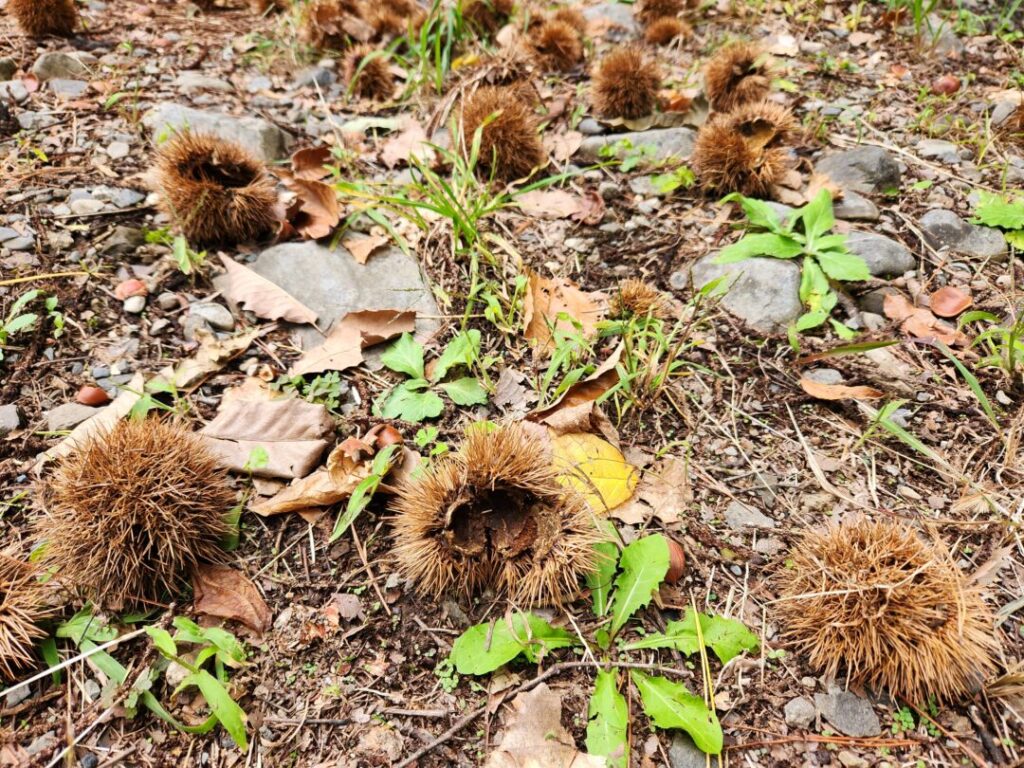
229	594
595	468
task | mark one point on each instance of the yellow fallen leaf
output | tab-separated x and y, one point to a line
595	468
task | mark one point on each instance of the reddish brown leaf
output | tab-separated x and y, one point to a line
229	594
950	301
897	307
837	391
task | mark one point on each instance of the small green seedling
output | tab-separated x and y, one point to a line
805	235
1002	212
622	585
18	320
416	399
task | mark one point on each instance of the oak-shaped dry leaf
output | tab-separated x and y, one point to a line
534	736
260	296
310	163
823	391
547	298
344	345
328	485
550	203
290	434
950	301
227	593
362	246
315	211
410	142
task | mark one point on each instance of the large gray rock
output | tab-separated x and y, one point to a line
883	255
60	65
849	714
262	138
855	207
799	712
332	284
764	293
867	170
668	143
10	419
68	416
944	229
683	753
619	14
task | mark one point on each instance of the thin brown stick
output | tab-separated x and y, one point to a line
849	741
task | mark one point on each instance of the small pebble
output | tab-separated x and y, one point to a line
134	304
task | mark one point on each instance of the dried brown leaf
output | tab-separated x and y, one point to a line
550	203
260	296
315	212
362	246
293	432
837	391
547	298
212	355
534	736
226	593
411	142
950	301
328	485
309	163
344	345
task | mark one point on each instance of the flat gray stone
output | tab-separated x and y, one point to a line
683	753
215	315
10	419
13	90
332	284
855	207
68	416
71	65
799	712
67	88
739	516
763	293
619	14
883	255
946	151
667	143
314	76
849	714
944	229
190	81
263	138
122	241
867	170
944	39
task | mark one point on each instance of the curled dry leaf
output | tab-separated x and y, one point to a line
229	594
664	492
287	433
575	410
329	485
837	391
562	146
550	203
547	298
310	163
315	211
592	209
212	355
950	301
344	345
260	296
